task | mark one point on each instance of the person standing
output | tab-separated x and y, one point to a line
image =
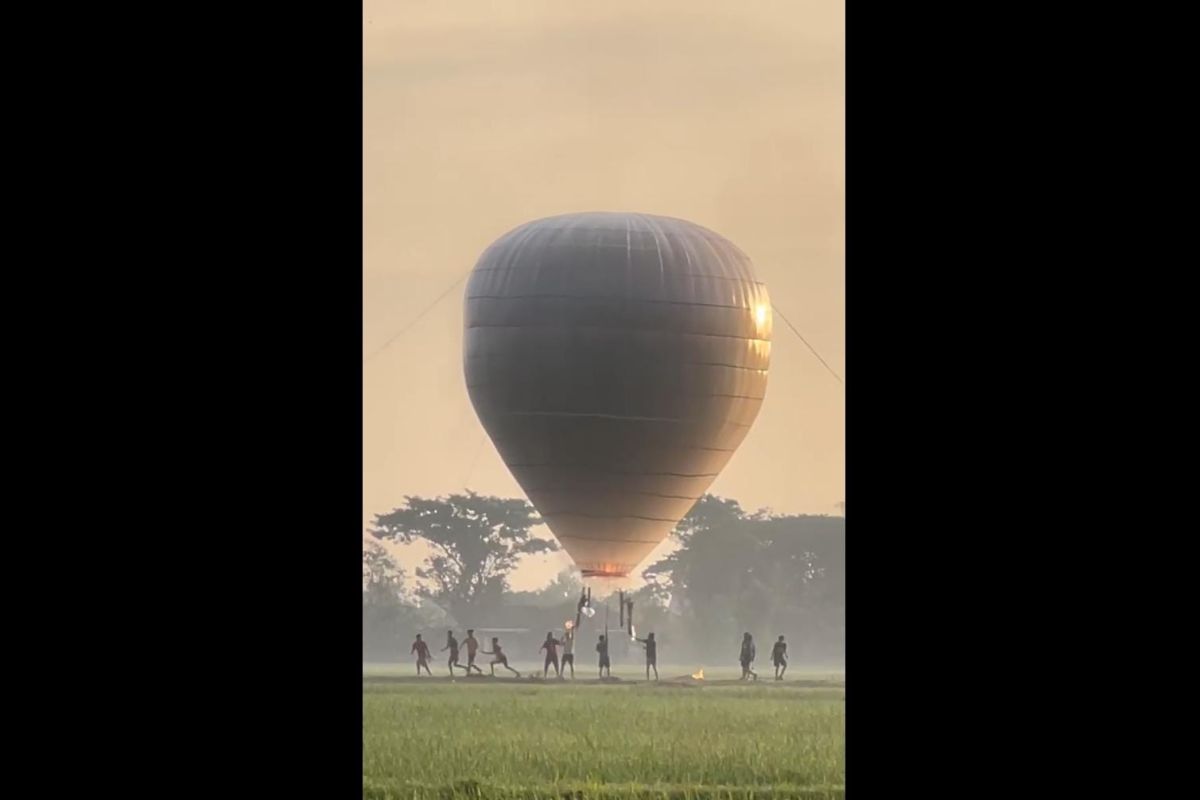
602	649
779	658
747	657
651	654
568	656
551	647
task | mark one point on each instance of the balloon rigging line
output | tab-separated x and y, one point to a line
420	316
809	346
475	460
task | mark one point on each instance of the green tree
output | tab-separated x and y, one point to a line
475	541
380	570
736	571
386	617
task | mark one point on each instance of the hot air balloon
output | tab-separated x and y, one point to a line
616	361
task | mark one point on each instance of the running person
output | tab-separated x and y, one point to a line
550	646
472	645
602	649
747	656
651	654
500	658
422	650
779	658
452	646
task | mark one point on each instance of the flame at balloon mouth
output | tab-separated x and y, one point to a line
605	572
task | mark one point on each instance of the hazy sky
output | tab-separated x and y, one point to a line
480	116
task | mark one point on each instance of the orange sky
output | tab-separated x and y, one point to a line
480	116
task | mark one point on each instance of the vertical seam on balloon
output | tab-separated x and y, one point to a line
628	260
662	269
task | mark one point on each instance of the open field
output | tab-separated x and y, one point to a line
509	738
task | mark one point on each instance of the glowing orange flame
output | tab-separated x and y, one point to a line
699	675
605	571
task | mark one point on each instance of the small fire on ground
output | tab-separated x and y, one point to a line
699	675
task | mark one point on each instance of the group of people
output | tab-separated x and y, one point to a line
551	647
749	652
421	648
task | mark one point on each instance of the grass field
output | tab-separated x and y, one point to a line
508	738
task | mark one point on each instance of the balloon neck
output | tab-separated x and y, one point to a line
605	572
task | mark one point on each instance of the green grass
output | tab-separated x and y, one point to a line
526	739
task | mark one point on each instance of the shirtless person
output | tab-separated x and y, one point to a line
422	650
452	646
568	656
472	644
500	658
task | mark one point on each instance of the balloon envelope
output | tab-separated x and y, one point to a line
616	361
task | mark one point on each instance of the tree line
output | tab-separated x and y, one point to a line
733	571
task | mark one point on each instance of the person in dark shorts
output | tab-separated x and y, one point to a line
651	654
452	646
472	645
747	657
551	646
602	649
779	658
500	658
568	656
422	650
